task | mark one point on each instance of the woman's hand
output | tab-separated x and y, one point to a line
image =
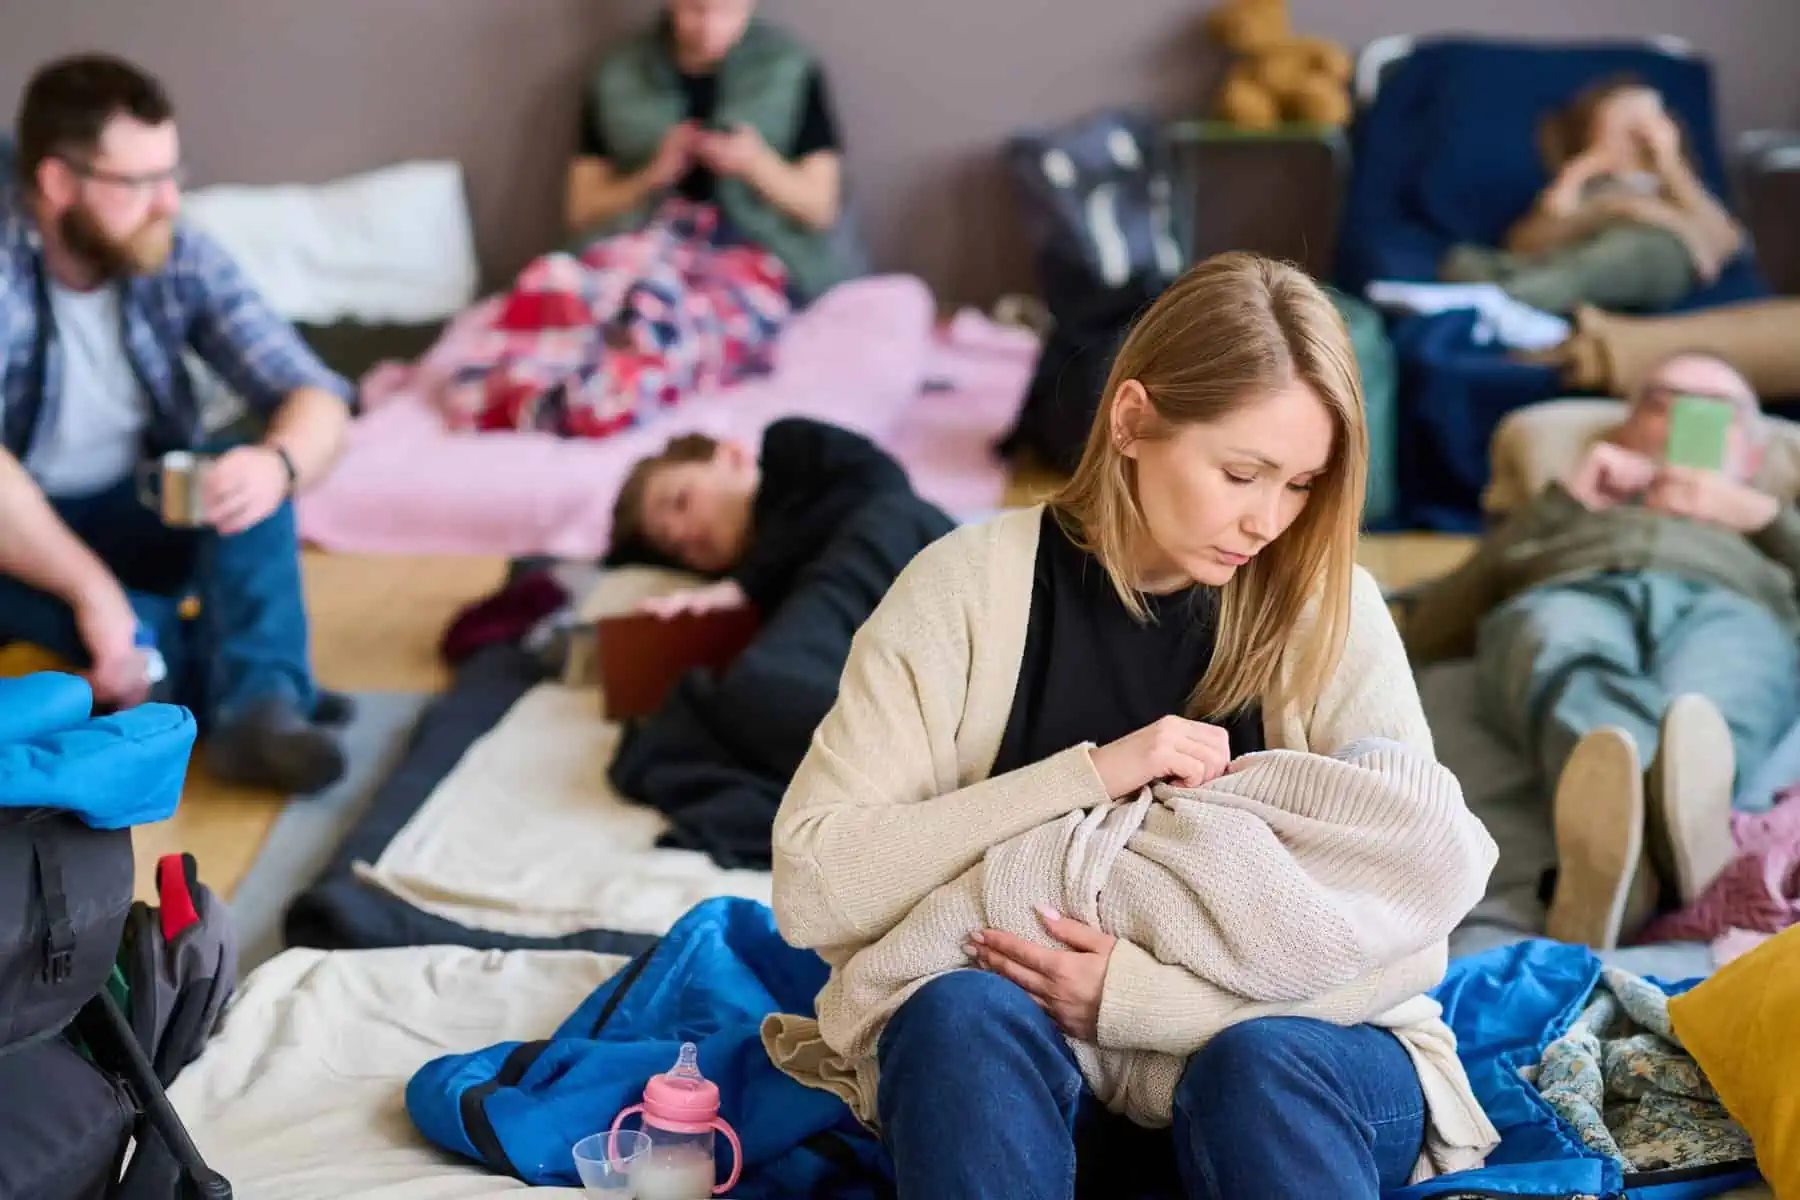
1190	753
714	596
1065	983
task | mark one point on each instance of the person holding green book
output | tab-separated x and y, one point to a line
1634	629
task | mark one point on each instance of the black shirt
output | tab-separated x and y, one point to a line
813	476
1092	673
818	130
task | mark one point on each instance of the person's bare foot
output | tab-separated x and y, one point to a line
1688	817
1604	885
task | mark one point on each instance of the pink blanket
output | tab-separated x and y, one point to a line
860	357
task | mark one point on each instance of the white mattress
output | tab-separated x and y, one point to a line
301	1094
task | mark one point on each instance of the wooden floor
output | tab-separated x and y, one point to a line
376	624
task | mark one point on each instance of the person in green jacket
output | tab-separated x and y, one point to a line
1635	613
716	106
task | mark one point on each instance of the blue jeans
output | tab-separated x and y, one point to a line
1559	660
979	1096
249	642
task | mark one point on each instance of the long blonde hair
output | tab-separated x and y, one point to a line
1230	331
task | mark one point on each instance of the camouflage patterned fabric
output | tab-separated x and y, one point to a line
1621	1079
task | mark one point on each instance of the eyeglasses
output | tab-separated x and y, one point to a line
138	182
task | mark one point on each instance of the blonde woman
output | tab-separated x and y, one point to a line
1189	598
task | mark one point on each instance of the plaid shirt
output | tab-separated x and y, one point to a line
199	300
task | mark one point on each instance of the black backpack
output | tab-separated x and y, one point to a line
1096	197
94	999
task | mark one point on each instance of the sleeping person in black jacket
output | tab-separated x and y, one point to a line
812	531
708	505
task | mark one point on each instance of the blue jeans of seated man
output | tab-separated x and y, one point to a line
979	1096
1562	659
250	641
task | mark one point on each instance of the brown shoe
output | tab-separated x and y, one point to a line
1604	884
1688	822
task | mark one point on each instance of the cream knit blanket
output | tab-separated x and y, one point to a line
1299	884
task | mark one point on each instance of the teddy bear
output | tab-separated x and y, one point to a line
1275	75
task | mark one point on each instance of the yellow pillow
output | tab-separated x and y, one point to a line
18	659
1741	1026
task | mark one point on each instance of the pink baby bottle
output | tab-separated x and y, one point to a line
681	1113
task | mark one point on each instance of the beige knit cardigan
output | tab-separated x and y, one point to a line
894	804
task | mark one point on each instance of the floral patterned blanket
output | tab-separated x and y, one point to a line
1621	1079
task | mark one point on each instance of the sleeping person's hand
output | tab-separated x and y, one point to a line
714	596
1067	984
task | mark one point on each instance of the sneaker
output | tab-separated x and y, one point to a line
1604	884
270	745
1688	822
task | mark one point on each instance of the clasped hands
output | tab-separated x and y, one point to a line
736	153
1610	475
1067	983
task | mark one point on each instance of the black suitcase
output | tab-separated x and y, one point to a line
77	1087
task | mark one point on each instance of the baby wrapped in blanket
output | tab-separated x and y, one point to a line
1298	884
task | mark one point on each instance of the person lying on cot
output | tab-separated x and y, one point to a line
713	507
1188	600
720	108
1625	224
1636	612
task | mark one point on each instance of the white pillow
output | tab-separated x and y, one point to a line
390	245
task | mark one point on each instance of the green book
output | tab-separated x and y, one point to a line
1699	431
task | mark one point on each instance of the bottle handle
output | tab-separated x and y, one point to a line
612	1136
737	1156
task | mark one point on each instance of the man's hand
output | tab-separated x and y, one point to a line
242	487
739	154
1065	983
108	629
1609	475
1711	497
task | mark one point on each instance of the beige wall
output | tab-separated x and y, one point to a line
276	90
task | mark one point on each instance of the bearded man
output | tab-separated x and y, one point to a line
102	292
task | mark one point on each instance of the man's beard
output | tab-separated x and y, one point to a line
142	252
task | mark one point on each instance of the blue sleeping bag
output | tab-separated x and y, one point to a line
1448	153
520	1107
113	772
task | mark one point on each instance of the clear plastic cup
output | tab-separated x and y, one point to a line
605	1162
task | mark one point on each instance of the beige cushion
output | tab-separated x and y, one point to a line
1541	442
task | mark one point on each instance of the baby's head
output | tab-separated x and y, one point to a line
1646	426
688	506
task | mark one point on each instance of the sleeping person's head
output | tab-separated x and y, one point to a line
1645	429
1229	450
689	505
707	30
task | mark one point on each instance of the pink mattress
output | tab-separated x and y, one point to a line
868	356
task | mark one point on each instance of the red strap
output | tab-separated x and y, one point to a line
178	911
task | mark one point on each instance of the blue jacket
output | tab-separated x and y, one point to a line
520	1107
113	772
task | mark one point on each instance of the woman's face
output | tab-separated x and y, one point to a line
1214	495
698	513
706	30
1623	120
